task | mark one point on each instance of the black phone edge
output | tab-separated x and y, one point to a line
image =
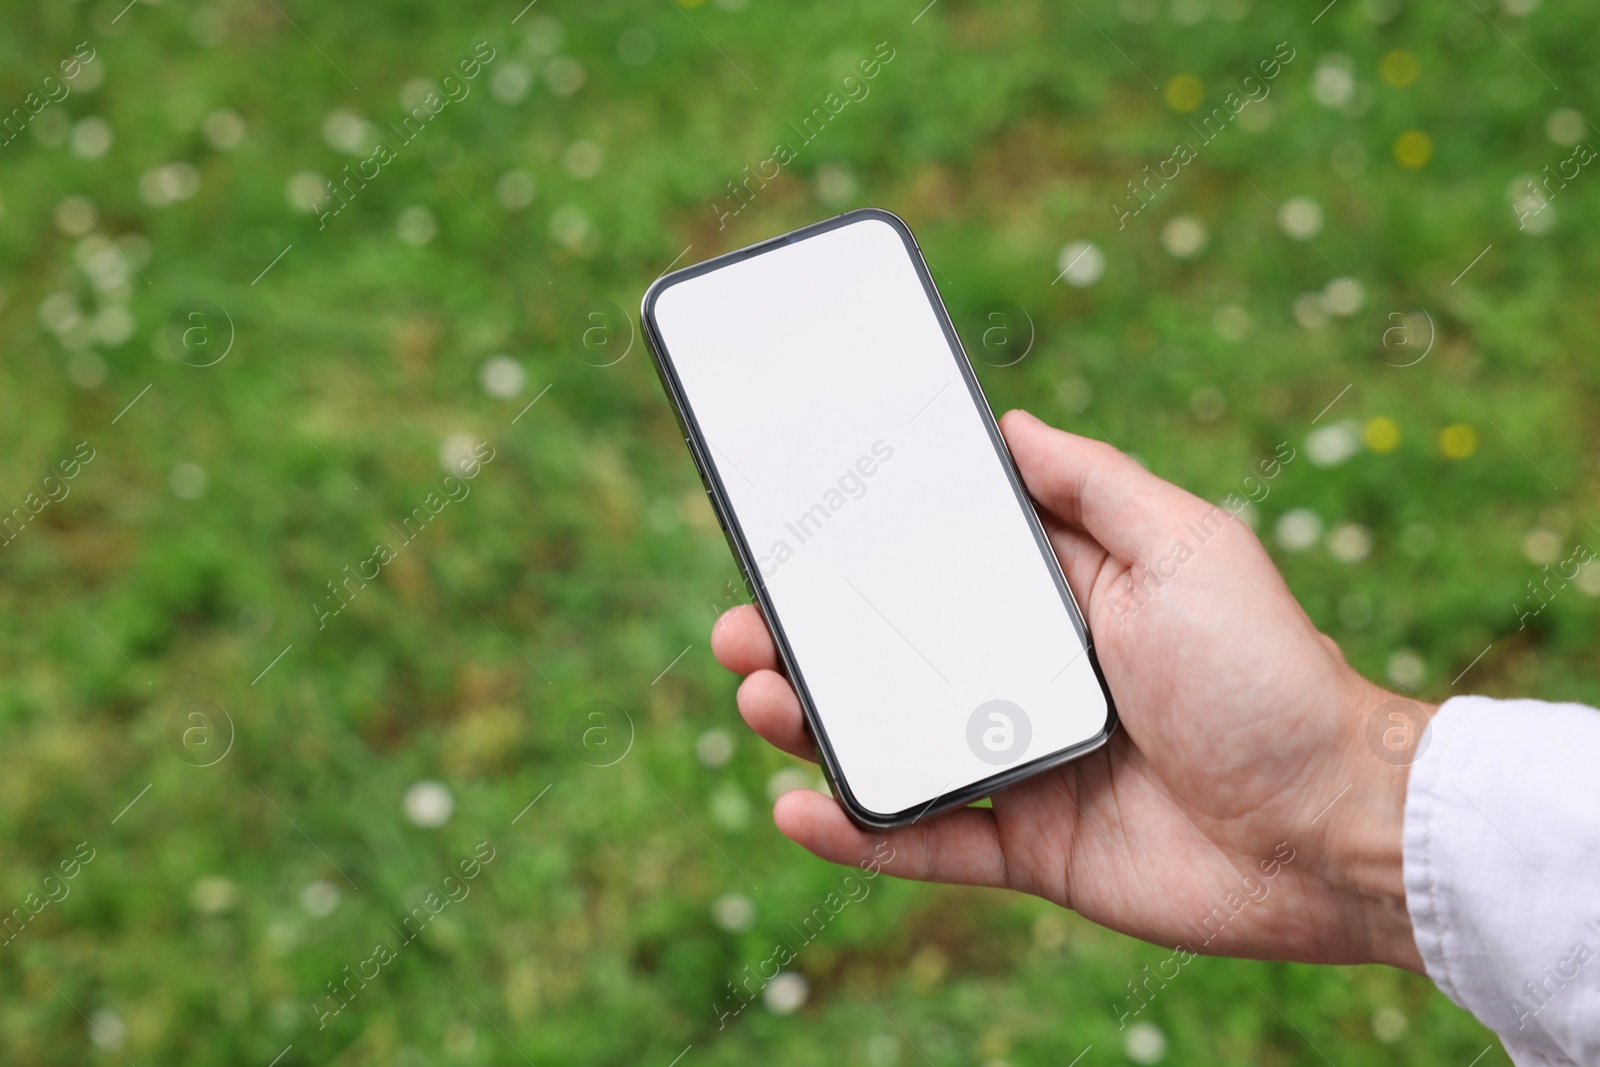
694	440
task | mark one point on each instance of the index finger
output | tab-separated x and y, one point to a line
741	642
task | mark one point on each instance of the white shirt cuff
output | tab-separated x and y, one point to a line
1502	871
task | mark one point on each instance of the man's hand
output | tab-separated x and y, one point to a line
1238	811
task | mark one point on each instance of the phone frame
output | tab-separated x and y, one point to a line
695	440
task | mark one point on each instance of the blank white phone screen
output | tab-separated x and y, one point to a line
919	609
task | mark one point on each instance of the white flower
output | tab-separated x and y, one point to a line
564	75
883	1050
510	82
1145	1043
1332	83
1541	546
429	804
570	226
458	454
416	226
1406	669
545	36
1298	530
347	132
59	313
715	747
786	993
415	91
91	138
1349	542
87	369
1079	392
168	184
1310	311
1184	237
319	898
730	809
1530	204
789	779
306	191
1344	296
1566	127
113	324
502	376
213	895
1331	445
1388	1024
107	1030
515	190
101	262
733	912
1257	117
1589	579
76	215
833	185
1081	263
1300	218
90	75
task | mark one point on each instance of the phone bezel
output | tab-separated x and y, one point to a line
694	439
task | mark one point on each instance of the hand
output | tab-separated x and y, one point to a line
1237	811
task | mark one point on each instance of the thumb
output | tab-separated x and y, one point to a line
1091	485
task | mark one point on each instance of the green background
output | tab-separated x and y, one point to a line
190	552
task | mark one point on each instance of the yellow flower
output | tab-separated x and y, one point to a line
1382	434
1413	149
1185	92
1458	441
1399	68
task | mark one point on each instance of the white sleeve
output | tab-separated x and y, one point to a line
1502	871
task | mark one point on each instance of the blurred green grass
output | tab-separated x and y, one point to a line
1001	133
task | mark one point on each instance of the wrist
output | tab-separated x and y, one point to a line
1363	839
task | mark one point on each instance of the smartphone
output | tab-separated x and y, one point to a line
861	480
